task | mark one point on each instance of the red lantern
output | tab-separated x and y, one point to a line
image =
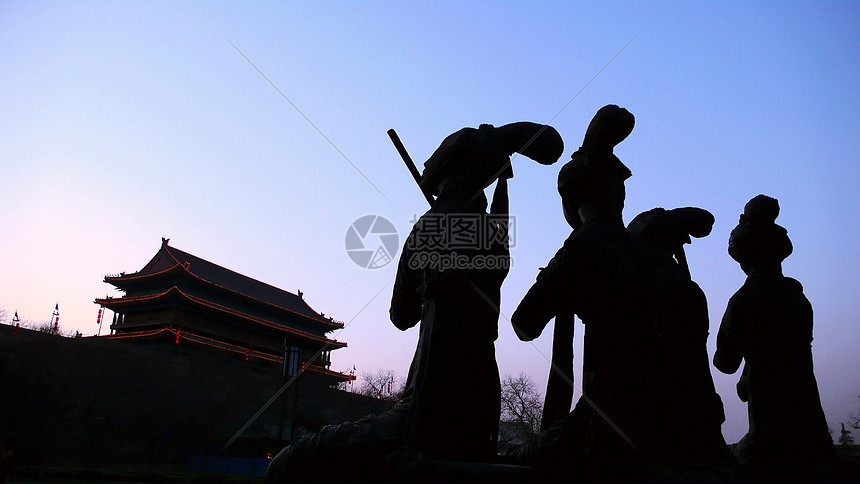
178	332
99	317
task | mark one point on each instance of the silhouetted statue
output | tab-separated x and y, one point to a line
768	324
458	305
600	275
691	411
448	278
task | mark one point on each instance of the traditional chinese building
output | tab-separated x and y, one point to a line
179	300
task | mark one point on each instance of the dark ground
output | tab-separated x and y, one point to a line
107	407
90	409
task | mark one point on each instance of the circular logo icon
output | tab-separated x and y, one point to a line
371	241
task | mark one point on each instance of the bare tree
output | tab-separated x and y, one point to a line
46	327
854	418
522	406
43	327
845	437
383	384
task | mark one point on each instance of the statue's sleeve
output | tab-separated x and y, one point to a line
542	302
729	352
405	311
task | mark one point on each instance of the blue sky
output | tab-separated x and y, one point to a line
123	122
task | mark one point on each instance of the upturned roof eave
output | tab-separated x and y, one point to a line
137	278
224	346
176	292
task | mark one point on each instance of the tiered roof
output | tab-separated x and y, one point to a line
185	335
174	293
170	261
175	277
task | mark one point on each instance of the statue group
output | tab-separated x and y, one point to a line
648	397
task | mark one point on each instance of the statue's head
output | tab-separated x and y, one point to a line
594	175
472	159
667	230
467	158
591	180
758	240
609	126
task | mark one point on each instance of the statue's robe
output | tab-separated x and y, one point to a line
768	323
691	409
453	383
601	275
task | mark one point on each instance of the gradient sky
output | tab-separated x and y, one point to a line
125	122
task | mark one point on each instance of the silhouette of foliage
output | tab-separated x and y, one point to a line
382	384
522	407
845	437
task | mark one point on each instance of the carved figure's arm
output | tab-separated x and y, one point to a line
405	311
729	354
500	205
743	385
538	306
